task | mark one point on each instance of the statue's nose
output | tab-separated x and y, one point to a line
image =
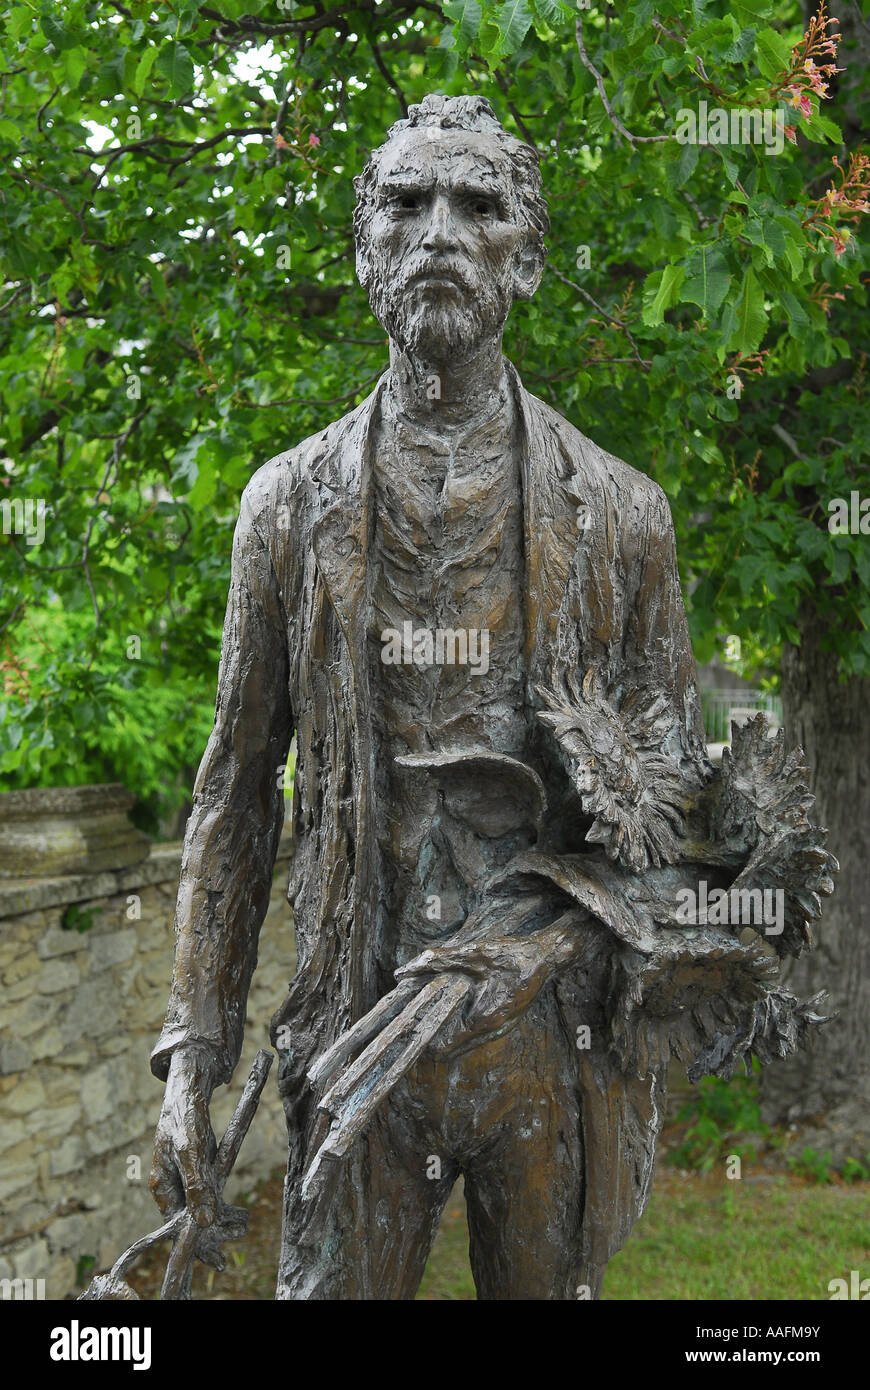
440	233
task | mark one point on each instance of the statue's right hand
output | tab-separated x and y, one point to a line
183	1171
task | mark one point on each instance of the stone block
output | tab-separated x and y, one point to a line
67	1157
26	964
14	1178
92	1012
58	975
14	1056
66	1232
28	1095
102	1138
10	951
57	942
105	1089
27	1016
61	1278
12	1132
158	972
111	948
75	1055
47	1044
31	1262
54	1121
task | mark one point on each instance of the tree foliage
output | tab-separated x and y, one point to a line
179	303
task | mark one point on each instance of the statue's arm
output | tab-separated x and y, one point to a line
626	717
233	830
662	645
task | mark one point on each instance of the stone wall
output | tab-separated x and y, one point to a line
79	1014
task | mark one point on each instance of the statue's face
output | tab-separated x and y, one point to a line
446	249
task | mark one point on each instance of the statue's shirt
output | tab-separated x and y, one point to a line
446	648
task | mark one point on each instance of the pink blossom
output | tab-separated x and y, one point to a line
314	139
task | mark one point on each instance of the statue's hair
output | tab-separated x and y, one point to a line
471	113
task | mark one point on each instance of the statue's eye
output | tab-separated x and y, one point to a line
408	202
483	207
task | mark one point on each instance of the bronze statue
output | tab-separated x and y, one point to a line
519	887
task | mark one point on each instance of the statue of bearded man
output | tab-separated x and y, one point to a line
470	616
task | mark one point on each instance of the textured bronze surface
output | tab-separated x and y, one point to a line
470	616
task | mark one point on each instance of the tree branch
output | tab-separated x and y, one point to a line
388	76
617	323
599	82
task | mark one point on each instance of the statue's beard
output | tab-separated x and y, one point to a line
437	325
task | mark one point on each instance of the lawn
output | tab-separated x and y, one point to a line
766	1236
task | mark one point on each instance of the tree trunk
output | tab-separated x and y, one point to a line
825	1090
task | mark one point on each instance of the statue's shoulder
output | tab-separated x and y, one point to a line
293	478
616	478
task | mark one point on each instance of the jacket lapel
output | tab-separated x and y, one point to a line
553	493
340	542
340	537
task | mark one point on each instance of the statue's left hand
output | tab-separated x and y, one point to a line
506	973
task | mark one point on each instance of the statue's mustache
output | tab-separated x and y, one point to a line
439	270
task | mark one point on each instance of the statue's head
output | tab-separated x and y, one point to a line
450	225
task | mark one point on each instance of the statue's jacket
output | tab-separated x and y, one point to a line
602	597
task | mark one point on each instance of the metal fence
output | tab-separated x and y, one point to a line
720	707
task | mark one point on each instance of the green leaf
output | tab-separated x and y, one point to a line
661	292
707	279
157	281
746	11
749	569
795	247
553	12
742	47
19	22
61	38
797	317
143	69
767	234
513	21
75	62
686	164
175	66
744	322
9	131
466	16
828	127
202	493
773	54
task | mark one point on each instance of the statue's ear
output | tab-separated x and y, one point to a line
528	269
363	262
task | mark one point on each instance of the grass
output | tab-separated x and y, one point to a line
772	1234
768	1237
710	1239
